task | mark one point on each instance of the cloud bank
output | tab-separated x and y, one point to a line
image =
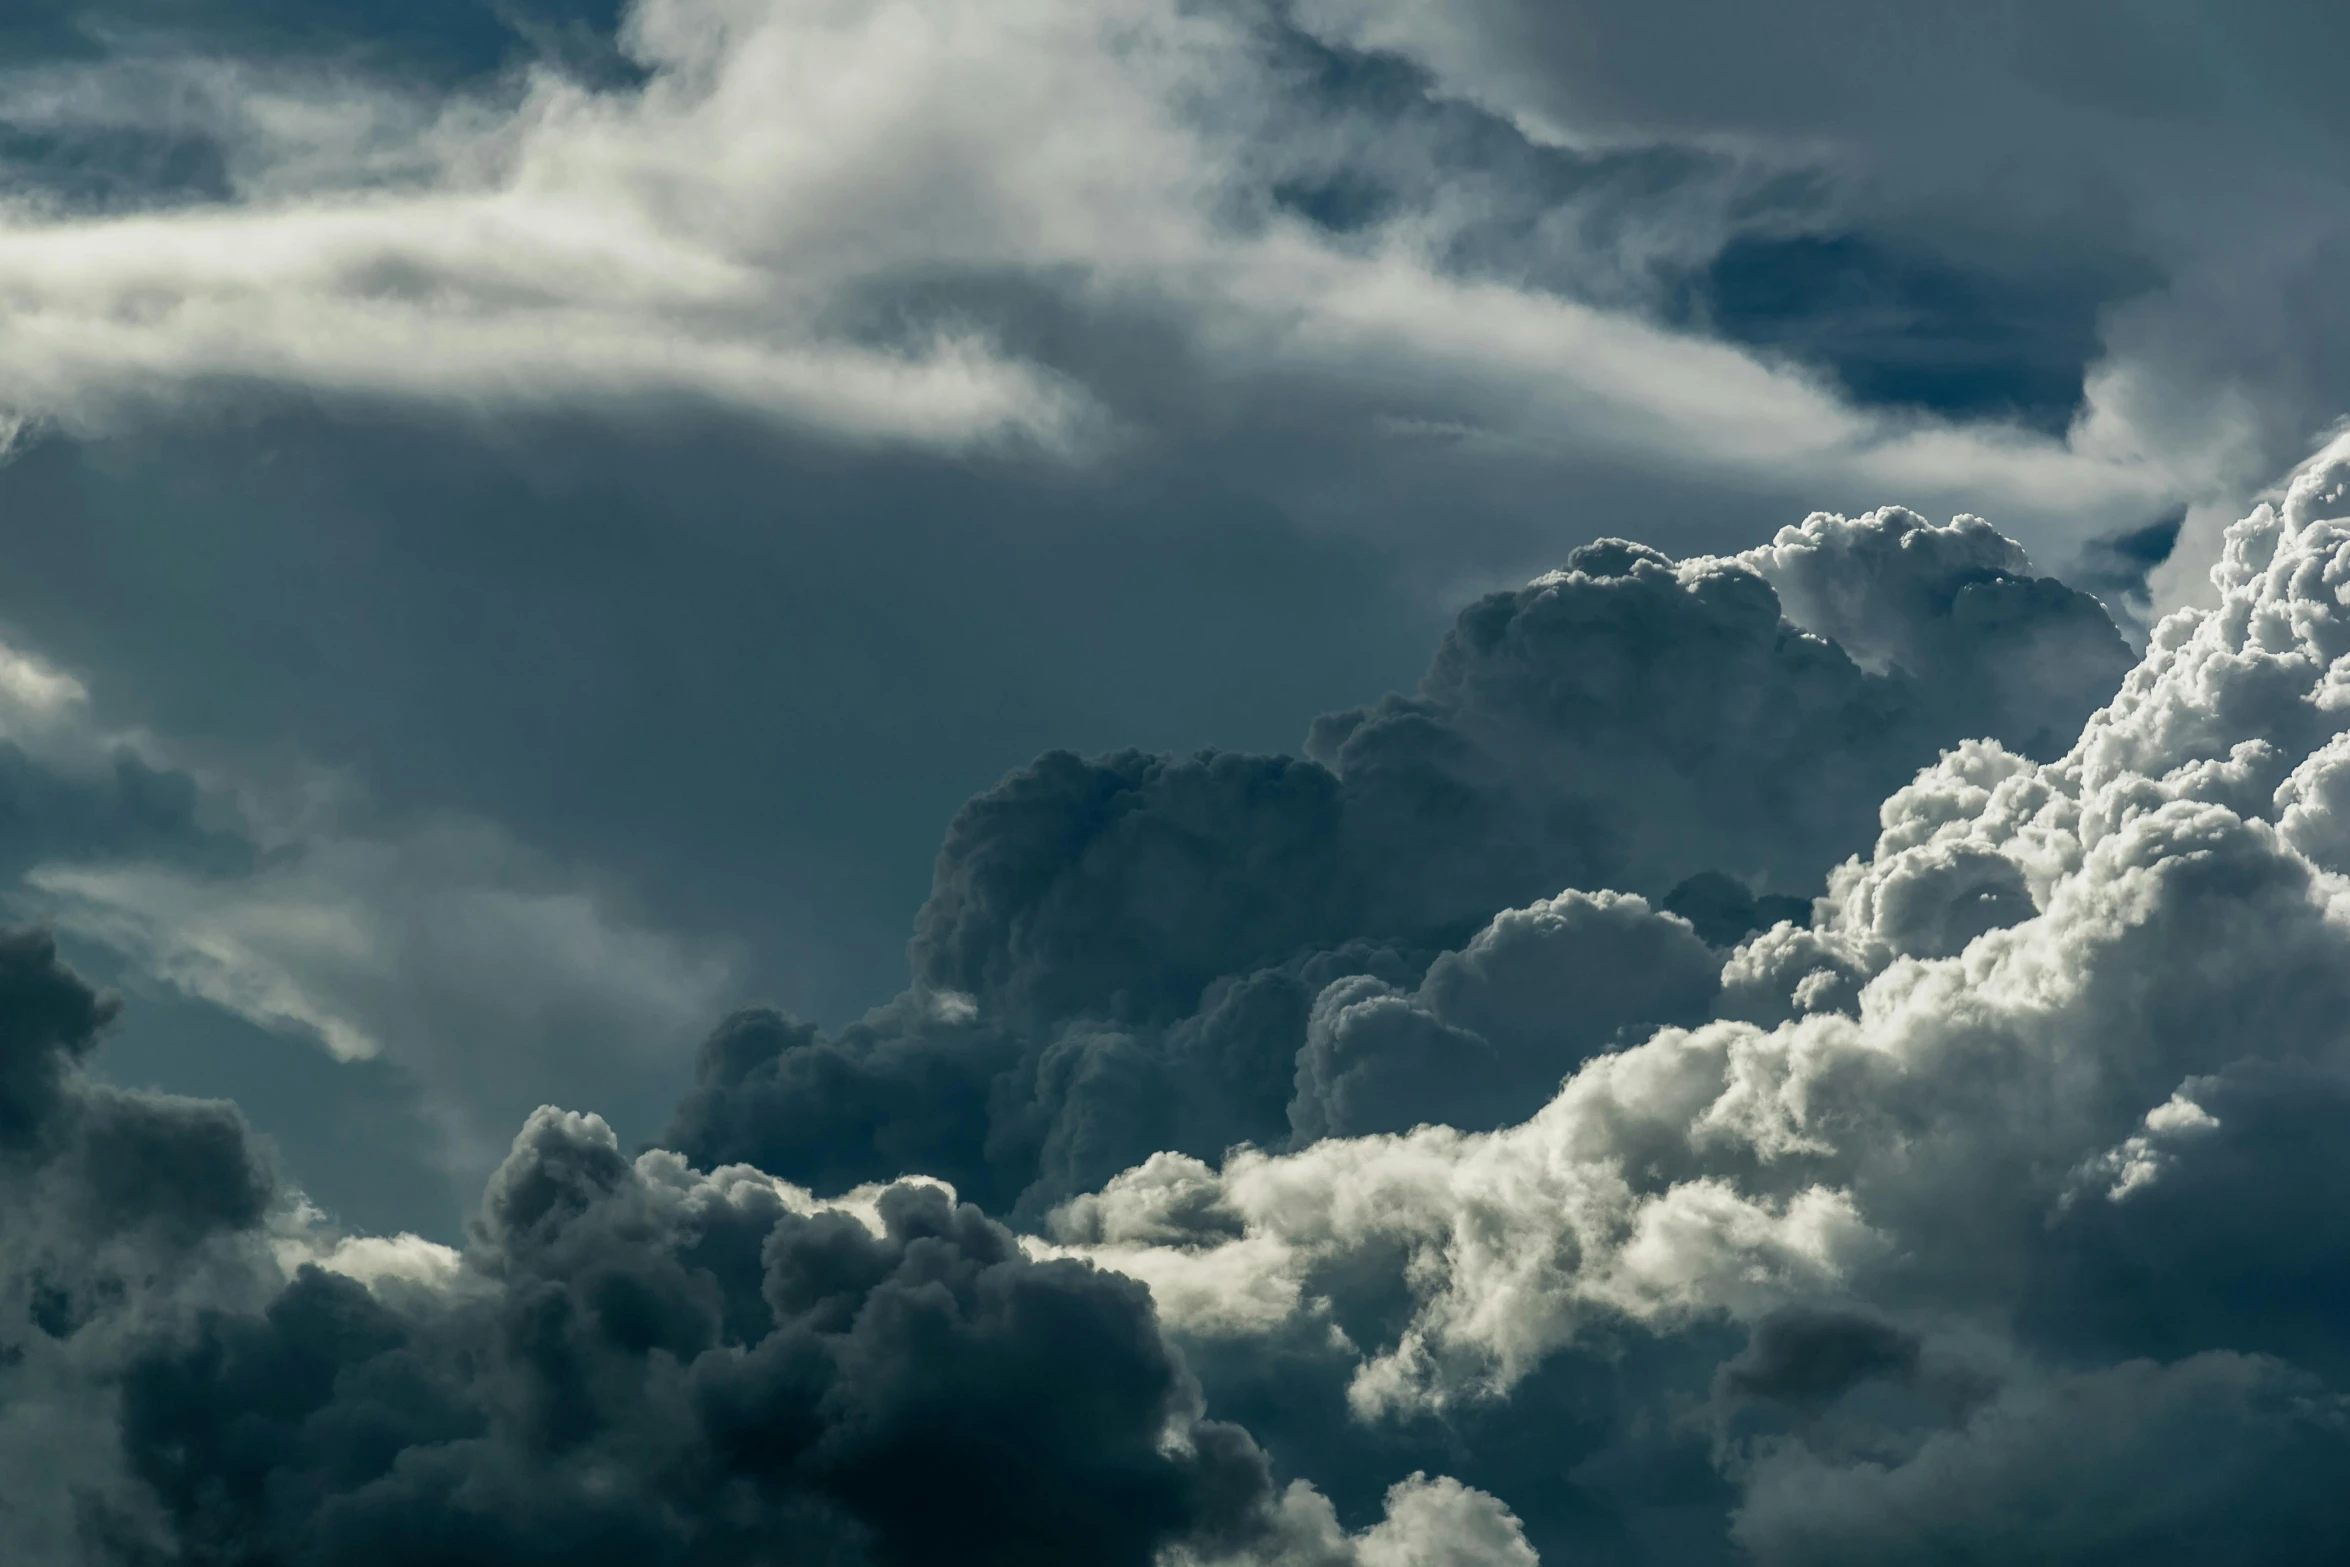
1989	1209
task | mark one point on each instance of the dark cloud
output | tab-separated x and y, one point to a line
690	1375
1496	1025
1135	952
119	807
2222	1458
180	1167
114	1205
51	1020
1806	1357
630	1362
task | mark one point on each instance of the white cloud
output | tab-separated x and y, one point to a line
2043	982
1427	1523
734	229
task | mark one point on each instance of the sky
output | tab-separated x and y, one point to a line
1237	782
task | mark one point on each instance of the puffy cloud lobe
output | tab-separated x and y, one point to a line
2017	1164
928	1084
1132	953
2008	654
1124	885
655	1366
629	1362
1494	1026
114	1208
1624	723
130	1161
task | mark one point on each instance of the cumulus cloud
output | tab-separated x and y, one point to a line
1958	1217
627	1362
2010	1163
1137	953
119	1206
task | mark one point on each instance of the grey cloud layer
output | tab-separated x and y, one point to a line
1728	1069
1006	189
291	910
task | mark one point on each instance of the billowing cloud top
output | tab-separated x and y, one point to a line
1124	954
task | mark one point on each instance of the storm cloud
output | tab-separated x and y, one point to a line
1132	953
1774	1043
1979	1177
627	1362
1940	1219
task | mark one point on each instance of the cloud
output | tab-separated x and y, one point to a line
479	969
1794	1056
119	1206
71	790
1495	1025
2059	169
627	1362
2018	1182
831	218
1978	1200
1138	953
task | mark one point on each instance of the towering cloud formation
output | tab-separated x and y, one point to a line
1135	953
2012	1164
1993	1212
